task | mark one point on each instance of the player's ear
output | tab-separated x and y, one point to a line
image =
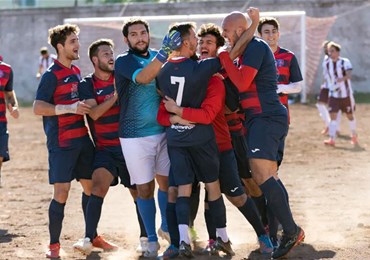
95	60
125	40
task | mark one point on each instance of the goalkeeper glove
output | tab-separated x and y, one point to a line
171	42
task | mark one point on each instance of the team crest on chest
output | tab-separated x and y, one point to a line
280	63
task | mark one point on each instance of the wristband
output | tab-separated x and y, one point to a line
65	109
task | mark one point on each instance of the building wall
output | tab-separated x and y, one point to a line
24	31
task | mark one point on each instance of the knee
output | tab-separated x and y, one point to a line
100	190
145	191
238	201
172	194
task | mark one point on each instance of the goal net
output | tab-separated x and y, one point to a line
301	34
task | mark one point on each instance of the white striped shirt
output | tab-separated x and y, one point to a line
333	72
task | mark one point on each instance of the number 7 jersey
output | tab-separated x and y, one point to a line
186	81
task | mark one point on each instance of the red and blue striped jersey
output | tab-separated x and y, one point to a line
288	70
104	130
59	85
6	84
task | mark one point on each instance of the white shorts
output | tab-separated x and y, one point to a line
145	157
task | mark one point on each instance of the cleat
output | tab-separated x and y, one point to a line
224	247
210	248
266	246
152	250
53	251
84	246
164	235
354	140
330	142
193	234
101	243
325	131
287	243
185	250
169	253
143	245
274	242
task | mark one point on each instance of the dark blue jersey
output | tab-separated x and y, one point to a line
186	81
58	85
261	97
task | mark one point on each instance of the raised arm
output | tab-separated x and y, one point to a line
170	42
247	36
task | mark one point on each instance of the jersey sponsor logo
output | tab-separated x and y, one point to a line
1	73
255	150
66	80
233	190
99	92
182	128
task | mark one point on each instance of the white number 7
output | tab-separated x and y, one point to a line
180	90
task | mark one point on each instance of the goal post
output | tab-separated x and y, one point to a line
292	33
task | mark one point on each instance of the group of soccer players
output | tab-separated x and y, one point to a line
170	117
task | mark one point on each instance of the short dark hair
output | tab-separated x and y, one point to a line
212	29
43	50
94	47
59	33
132	21
183	28
334	45
268	20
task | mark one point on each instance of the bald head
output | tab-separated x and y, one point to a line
237	19
233	25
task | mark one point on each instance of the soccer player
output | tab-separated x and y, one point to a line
98	91
71	151
45	61
142	139
338	72
323	98
289	73
8	100
267	122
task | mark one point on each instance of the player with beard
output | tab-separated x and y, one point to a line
71	151
267	122
142	139
109	165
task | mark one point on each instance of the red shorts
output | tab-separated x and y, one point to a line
346	105
324	95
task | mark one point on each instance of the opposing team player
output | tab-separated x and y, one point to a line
338	72
267	122
142	139
98	91
8	100
71	151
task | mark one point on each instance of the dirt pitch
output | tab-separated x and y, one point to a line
329	192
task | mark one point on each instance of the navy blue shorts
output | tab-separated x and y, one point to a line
4	139
230	183
239	143
266	137
66	165
115	163
200	162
